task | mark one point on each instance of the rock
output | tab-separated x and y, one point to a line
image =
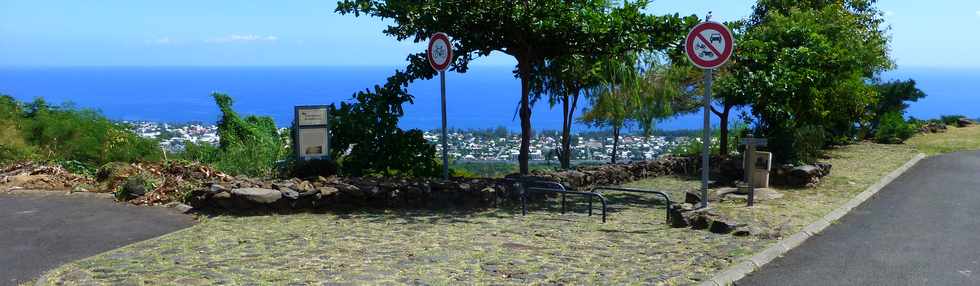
933	127
289	193
800	176
692	197
721	226
699	219
216	188
283	185
677	217
963	122
824	168
134	187
742	231
761	194
303	186
327	191
699	222
258	195
182	208
221	196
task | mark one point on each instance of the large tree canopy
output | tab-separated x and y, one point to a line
807	64
533	32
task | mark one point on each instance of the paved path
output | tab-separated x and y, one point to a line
42	230
922	229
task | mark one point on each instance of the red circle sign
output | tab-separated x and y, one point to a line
440	52
709	45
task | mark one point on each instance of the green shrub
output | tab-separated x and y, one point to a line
310	168
249	146
893	129
693	147
64	133
802	145
950	119
367	141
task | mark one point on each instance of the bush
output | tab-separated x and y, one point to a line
693	147
367	141
802	145
249	146
64	133
12	145
893	129
310	168
950	119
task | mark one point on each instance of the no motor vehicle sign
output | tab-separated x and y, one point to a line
709	45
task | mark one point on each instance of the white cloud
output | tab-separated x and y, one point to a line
242	39
889	13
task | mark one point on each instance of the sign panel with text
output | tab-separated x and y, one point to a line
312	132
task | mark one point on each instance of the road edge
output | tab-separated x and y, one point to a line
740	269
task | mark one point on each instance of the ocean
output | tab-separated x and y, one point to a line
484	97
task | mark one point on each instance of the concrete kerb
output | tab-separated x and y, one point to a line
756	261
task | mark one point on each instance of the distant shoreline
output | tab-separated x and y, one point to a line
485	97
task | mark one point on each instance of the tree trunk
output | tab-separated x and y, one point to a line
615	151
525	113
723	137
566	132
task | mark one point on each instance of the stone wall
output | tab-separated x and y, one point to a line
244	194
337	193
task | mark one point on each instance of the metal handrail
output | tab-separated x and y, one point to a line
665	195
561	187
602	199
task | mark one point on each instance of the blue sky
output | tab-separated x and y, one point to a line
302	32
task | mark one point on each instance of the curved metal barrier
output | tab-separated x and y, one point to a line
557	188
602	199
666	197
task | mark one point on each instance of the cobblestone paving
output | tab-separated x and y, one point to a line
498	247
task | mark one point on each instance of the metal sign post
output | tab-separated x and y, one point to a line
445	143
709	45
440	54
706	138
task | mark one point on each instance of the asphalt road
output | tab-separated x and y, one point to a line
41	231
922	229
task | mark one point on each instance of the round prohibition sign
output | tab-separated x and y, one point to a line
709	45
440	51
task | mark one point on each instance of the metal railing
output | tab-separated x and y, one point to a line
664	195
556	188
602	199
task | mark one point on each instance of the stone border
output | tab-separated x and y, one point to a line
740	269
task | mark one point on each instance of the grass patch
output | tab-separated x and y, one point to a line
485	247
953	140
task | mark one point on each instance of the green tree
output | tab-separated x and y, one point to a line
532	32
616	97
564	80
892	97
663	92
807	64
368	129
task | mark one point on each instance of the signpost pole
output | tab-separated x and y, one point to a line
751	178
706	141
445	144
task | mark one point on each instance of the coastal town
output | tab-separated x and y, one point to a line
464	145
